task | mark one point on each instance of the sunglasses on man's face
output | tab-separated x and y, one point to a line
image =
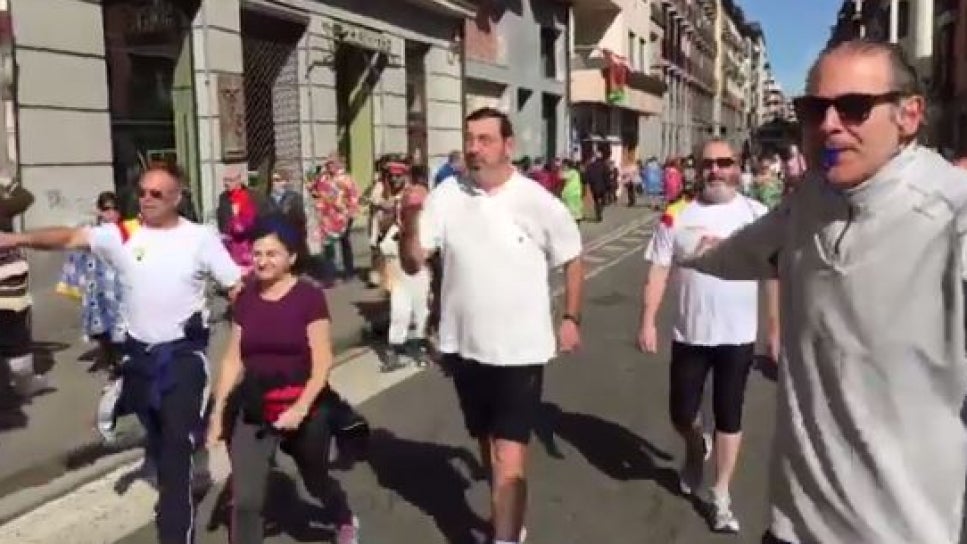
851	108
156	194
721	162
108	208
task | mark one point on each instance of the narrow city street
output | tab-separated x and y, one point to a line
603	464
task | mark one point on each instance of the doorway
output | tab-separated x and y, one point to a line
357	71
549	124
416	137
271	81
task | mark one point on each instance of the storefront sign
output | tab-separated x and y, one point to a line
358	36
156	17
231	116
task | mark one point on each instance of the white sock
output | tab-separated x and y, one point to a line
505	542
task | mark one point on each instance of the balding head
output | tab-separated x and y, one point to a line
901	74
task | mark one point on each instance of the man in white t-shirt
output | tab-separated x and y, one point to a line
714	328
498	233
163	266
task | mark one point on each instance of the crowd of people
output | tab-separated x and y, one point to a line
858	241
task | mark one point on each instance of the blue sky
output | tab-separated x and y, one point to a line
796	31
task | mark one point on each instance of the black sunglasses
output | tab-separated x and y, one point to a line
852	108
721	162
108	208
153	193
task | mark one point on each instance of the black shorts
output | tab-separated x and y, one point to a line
690	365
498	401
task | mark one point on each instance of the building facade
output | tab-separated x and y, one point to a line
516	60
732	66
688	69
212	84
931	34
758	73
616	94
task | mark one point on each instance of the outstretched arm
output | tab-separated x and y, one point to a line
51	239
748	254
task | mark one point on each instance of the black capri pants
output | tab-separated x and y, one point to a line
730	365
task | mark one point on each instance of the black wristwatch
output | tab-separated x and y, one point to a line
572	318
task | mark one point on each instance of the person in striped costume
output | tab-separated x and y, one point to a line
15	301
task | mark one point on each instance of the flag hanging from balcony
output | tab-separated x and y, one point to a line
616	75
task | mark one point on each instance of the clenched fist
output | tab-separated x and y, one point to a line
412	202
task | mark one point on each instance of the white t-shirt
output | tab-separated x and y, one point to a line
710	311
163	274
497	250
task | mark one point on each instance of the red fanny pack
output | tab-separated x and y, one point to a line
278	400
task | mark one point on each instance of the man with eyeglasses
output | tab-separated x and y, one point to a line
869	444
163	266
715	327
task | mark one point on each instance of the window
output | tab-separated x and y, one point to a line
903	19
632	45
549	51
644	60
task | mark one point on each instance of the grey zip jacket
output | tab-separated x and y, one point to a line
869	445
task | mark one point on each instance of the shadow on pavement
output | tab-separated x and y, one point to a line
614	450
422	474
12	415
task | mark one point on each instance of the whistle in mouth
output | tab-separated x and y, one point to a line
830	158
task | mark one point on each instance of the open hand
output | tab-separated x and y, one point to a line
707	242
290	419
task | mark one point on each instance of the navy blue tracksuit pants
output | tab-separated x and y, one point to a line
174	423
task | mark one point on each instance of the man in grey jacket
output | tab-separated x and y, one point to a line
869	444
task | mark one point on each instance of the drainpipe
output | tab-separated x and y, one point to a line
212	121
568	119
894	21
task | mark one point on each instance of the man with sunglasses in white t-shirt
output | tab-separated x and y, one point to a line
715	327
869	447
163	266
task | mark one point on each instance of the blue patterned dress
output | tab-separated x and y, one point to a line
98	286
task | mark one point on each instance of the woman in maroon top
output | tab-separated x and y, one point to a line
279	356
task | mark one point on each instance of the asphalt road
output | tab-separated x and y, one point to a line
602	467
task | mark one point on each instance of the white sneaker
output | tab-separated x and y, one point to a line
723	519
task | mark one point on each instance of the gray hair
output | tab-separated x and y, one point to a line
903	74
